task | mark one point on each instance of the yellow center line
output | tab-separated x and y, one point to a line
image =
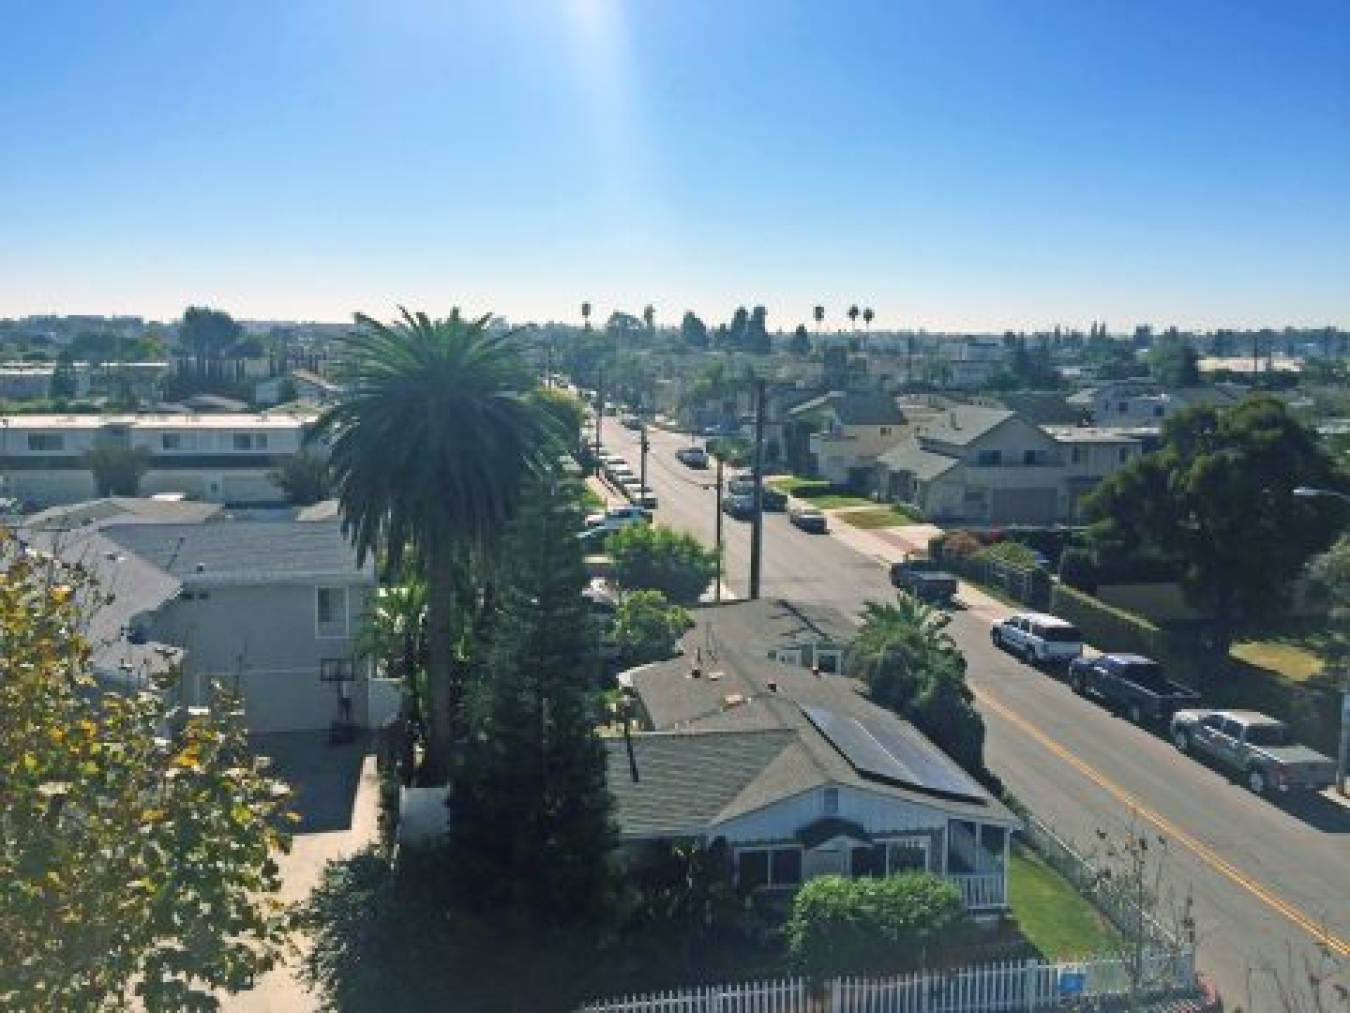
1205	853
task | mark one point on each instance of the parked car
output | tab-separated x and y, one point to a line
772	500
1131	685
1253	745
808	518
692	457
1038	639
924	580
630	422
620	473
740	507
644	496
620	515
742	484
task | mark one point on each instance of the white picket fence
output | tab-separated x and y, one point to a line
1012	987
786	995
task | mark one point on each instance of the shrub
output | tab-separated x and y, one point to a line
869	926
647	627
1010	552
1077	569
962	545
650	558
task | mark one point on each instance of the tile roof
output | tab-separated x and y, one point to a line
242	552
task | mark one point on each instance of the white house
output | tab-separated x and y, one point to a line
852	429
268	608
799	775
1143	403
220	458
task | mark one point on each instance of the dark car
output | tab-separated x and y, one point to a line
1131	685
692	457
740	507
808	518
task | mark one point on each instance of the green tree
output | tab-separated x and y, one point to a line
818	314
1216	500
1331	571
1173	361
135	861
800	342
530	822
431	442
207	335
693	331
910	664
652	557
117	468
853	312
303	477
649	318
63	384
647	627
874	926
738	333
868	317
568	414
757	340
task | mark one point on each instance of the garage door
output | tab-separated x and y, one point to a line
1024	506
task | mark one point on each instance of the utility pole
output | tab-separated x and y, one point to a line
717	526
643	445
757	519
599	410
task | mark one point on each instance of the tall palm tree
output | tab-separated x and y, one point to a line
868	317
853	312
819	314
430	446
586	314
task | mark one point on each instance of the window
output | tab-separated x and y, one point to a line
905	855
171	441
885	430
990	458
830	802
1123	407
776	867
46	441
1076	455
828	661
1028	457
250	441
1157	411
330	611
1124	454
870	861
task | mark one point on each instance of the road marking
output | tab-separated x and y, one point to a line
1205	853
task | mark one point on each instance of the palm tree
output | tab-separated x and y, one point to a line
853	312
819	314
586	314
868	317
430	446
649	317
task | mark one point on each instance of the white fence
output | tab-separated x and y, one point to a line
982	891
1014	987
787	995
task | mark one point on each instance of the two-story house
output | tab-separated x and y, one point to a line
270	609
990	466
1143	404
850	430
220	458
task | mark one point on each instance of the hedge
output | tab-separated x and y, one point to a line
1108	628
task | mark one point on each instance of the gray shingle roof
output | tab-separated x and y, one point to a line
685	780
748	695
123	509
243	551
924	465
772	622
964	424
856	408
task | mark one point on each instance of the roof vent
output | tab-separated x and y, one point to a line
732	700
773	685
201	567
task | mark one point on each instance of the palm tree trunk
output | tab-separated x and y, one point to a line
441	668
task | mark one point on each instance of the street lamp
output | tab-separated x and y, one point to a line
1343	752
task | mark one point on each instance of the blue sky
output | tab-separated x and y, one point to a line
956	164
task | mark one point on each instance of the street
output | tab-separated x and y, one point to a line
1267	878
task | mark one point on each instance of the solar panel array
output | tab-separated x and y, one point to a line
894	753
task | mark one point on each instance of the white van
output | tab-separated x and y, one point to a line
1038	638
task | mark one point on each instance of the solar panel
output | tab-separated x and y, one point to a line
894	754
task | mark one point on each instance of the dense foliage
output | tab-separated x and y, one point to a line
134	861
647	627
117	468
648	557
1216	500
303	477
874	926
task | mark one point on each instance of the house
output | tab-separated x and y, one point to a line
850	431
987	466
309	386
806	635
221	458
1143	403
969	362
268	608
798	775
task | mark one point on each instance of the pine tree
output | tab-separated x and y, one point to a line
530	823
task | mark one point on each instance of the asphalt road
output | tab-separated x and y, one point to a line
1267	879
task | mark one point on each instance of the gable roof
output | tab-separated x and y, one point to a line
736	692
964	424
771	622
924	465
244	552
856	408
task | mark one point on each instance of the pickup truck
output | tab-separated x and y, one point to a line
1131	685
924	580
1255	746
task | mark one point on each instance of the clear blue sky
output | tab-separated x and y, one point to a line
965	164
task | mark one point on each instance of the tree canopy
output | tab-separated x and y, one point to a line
1173	361
137	850
652	557
1216	499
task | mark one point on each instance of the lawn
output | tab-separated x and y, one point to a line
1051	914
817	492
1288	660
881	517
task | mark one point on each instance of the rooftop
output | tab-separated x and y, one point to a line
158	420
963	424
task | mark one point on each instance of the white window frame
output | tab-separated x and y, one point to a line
338	628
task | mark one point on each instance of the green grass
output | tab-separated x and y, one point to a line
1287	660
881	517
817	492
1052	915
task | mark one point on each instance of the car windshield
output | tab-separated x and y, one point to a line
1145	673
1265	735
1062	634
